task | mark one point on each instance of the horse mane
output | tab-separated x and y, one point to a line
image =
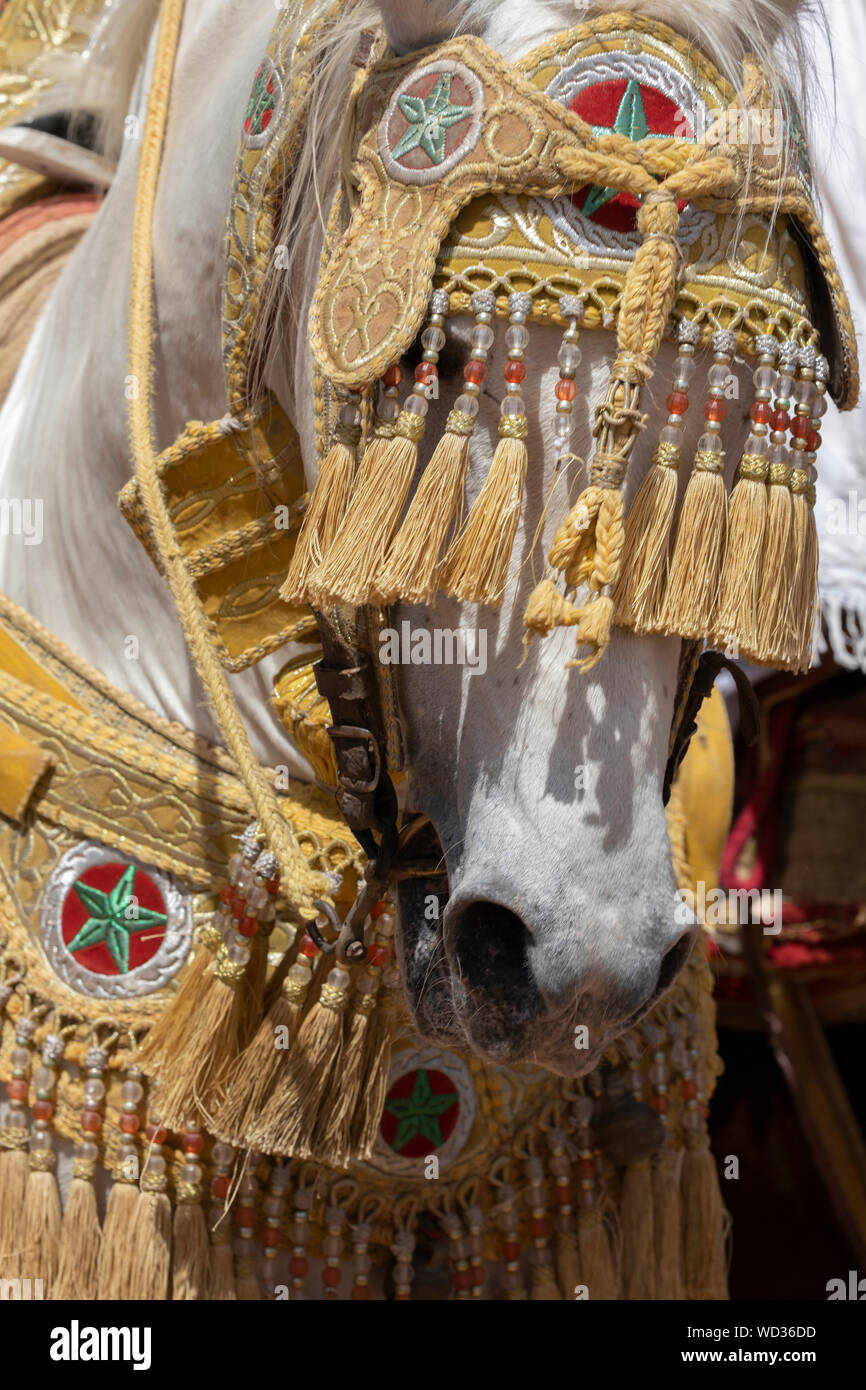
725	30
100	81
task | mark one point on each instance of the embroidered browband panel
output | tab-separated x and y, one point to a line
236	493
466	126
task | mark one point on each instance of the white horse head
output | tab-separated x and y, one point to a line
543	785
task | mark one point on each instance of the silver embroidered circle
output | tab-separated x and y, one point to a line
172	928
433	120
443	1104
261	112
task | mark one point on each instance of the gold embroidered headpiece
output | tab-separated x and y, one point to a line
610	179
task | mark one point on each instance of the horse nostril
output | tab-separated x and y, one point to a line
490	947
673	961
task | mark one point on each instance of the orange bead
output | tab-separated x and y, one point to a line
515	372
688	1089
129	1124
248	926
308	947
377	955
297	1266
715	409
393	376
332	1276
565	389
270	1237
360	1292
378	908
17	1089
42	1110
660	1104
677	403
537	1226
511	1250
475	371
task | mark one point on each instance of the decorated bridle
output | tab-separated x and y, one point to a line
461	165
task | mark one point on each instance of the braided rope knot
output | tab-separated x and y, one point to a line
662	174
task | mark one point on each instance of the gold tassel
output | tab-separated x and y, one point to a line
302	1104
259	1066
190	1266
639	591
191	1081
14	1171
596	1257
736	626
325	512
80	1238
477	565
705	1265
774	595
353	567
150	1243
41	1220
411	573
167	1036
636	1223
222	1267
698	549
804	593
246	1283
667	1226
114	1271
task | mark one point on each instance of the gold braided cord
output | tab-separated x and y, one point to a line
459	422
709	461
754	467
667	455
298	882
799	481
513	427
780	474
410	426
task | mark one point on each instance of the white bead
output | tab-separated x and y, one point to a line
512	405
516	336
710	443
569	356
433	339
416	404
482	337
467	404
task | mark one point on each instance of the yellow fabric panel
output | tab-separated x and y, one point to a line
706	786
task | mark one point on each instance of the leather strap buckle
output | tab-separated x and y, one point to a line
358	785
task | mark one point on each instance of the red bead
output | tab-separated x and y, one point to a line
129	1123
537	1226
477	1272
715	409
474	371
297	1266
565	389
42	1110
273	884
781	420
813	441
270	1237
586	1167
238	907
155	1134
248	926
393	376
91	1121
801	426
515	371
401	1298
193	1142
360	1291
462	1279
511	1250
227	892
245	1216
761	413
378	908
17	1089
308	947
220	1185
563	1194
660	1104
377	955
426	372
688	1089
332	1276
677	403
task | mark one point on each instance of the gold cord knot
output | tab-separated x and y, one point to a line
753	467
410	426
459	422
667	455
780	474
513	427
709	461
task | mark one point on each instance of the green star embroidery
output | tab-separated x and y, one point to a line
419	1113
113	918
631	121
430	118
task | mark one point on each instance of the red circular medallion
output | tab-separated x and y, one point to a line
113	918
